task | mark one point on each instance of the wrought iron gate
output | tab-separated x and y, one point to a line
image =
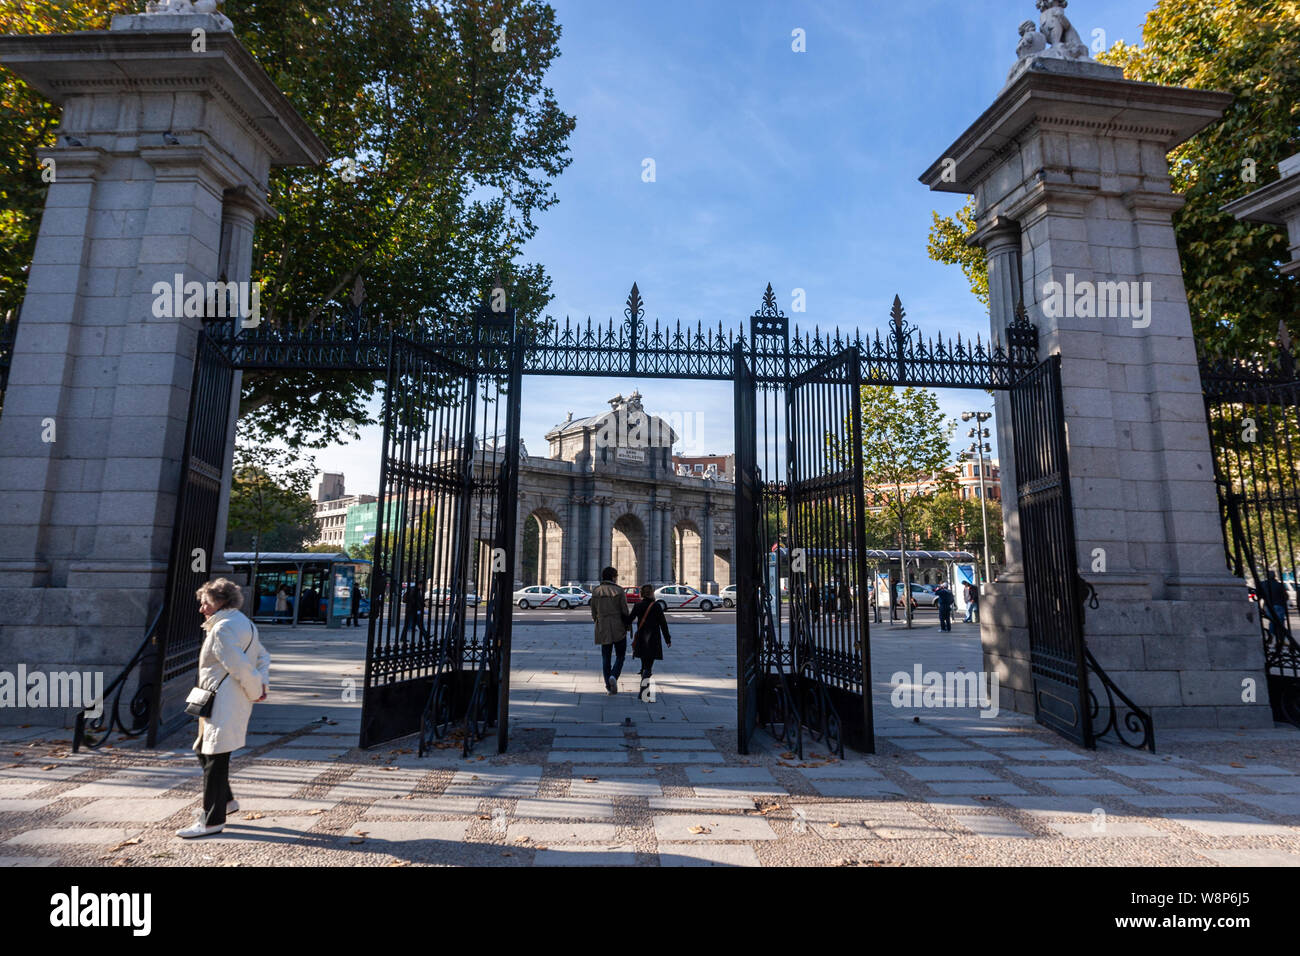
438	649
1253	410
829	582
1060	663
171	662
748	554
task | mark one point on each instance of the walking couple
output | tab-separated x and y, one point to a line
613	619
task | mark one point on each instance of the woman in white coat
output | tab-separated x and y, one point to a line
234	663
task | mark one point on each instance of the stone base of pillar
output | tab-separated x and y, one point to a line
1187	662
83	629
1004	637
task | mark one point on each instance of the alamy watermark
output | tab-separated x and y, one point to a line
211	300
75	690
946	689
1099	300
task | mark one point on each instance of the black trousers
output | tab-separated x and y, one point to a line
216	787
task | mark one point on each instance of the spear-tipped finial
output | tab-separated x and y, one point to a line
897	313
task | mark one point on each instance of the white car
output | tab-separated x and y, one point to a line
572	596
442	597
728	595
681	596
538	595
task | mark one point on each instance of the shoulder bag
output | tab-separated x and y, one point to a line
200	700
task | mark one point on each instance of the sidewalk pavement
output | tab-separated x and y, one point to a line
592	779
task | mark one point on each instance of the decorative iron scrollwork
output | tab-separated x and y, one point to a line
1129	724
93	732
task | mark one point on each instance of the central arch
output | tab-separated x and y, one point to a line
627	548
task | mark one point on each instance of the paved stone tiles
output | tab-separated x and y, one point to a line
595	780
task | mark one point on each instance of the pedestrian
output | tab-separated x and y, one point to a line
231	648
815	602
609	610
282	603
356	604
945	600
844	600
650	638
975	600
310	605
830	600
967	593
1274	596
414	603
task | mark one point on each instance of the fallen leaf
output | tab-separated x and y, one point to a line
253	816
706	770
315	811
522	838
485	816
699	830
1240	765
398	863
835	824
50	766
590	779
125	843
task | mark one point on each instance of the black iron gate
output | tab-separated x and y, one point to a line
171	662
438	651
829	584
748	554
1253	411
1062	668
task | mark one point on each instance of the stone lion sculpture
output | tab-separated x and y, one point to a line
188	6
1060	34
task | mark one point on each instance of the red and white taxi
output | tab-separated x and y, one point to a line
538	595
676	596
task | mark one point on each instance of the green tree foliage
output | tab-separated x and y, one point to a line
1250	48
27	123
948	244
950	522
444	143
270	509
904	441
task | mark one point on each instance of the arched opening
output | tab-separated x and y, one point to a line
626	549
686	554
722	567
542	557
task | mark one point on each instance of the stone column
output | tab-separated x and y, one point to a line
573	570
666	535
653	544
606	533
155	140
1076	155
707	584
592	542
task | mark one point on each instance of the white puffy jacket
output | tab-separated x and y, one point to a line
229	632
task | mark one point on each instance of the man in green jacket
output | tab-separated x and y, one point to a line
609	611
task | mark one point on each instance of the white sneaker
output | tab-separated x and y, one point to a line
612	685
197	829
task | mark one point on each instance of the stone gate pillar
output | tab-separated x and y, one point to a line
165	145
1071	159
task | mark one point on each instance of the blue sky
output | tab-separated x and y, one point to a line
798	169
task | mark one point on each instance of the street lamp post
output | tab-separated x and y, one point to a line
979	446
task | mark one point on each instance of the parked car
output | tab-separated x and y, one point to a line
442	597
923	595
728	595
572	596
633	594
537	595
680	595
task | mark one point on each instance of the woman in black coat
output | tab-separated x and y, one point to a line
651	634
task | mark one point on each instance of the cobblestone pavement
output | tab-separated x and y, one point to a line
594	779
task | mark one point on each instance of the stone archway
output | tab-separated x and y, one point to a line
627	549
541	559
687	546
